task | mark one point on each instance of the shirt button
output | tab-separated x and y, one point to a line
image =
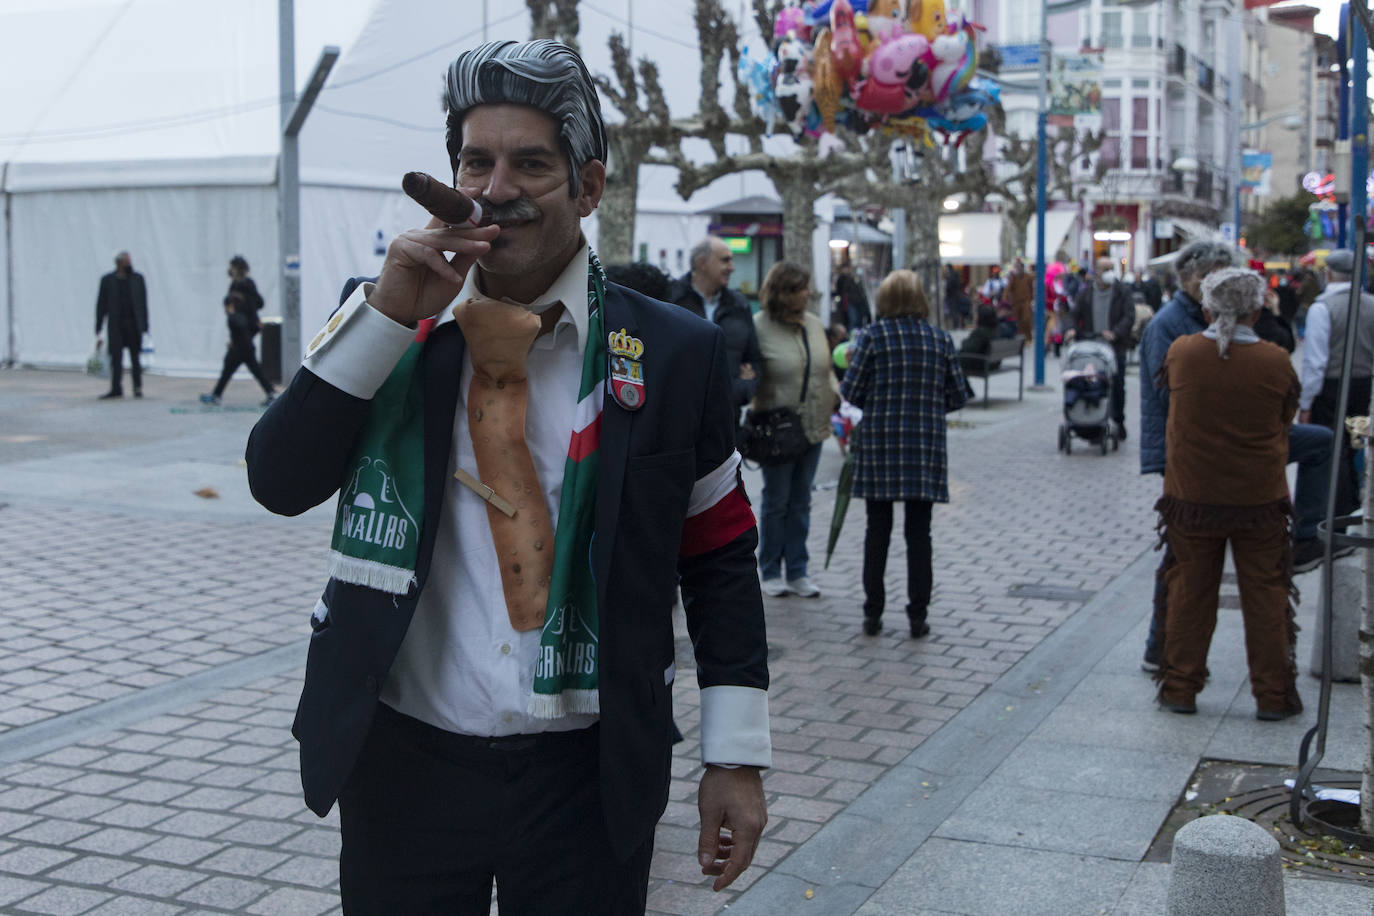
505	648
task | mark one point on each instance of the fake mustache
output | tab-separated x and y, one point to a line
512	212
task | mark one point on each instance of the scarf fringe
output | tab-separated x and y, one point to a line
567	703
391	579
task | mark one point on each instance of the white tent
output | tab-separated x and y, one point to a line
153	125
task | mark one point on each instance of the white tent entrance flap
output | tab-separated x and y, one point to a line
1057	226
971	238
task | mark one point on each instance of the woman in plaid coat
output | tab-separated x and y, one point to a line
905	376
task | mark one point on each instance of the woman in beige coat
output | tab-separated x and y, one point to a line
796	374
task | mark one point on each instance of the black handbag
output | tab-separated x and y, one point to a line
774	437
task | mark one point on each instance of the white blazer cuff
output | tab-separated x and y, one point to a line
734	726
358	346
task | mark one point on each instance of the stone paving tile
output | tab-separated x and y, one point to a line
235	834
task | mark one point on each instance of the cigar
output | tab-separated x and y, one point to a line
453	207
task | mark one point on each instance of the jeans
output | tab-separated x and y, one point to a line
916	529
787	515
1310	446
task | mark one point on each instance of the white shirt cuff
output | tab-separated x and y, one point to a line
358	346
734	726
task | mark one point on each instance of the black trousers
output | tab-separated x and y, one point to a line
133	342
240	354
1324	407
877	538
1119	388
430	818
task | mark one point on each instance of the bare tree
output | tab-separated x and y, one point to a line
645	123
1015	179
555	19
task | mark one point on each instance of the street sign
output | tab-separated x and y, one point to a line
1228	232
1019	57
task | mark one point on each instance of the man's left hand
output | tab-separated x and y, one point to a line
733	815
1108	336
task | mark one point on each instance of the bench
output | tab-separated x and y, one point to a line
1001	350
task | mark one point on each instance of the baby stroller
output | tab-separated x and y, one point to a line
1088	369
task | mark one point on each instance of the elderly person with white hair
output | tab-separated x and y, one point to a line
1231	398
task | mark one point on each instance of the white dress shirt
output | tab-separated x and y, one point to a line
462	667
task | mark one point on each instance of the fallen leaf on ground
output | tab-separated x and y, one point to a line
207	493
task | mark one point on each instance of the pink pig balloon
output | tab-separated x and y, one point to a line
897	72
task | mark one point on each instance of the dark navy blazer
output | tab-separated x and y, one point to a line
298	454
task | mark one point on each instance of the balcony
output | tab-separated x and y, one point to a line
1178	61
1206	78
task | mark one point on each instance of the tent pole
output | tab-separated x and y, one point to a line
9	268
288	196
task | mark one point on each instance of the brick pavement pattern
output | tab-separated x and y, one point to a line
195	806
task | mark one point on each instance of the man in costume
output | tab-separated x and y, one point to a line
488	691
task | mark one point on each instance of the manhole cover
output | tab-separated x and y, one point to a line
1048	593
1256	792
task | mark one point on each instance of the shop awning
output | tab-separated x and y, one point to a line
971	238
1193	229
1057	226
849	230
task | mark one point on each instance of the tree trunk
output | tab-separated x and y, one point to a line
798	221
616	239
923	246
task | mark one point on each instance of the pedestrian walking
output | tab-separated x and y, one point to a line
240	318
1104	310
905	376
489	686
121	312
796	375
1231	399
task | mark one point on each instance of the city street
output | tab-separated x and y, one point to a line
153	628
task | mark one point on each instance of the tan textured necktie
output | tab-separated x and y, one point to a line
498	337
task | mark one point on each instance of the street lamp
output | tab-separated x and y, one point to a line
1291	121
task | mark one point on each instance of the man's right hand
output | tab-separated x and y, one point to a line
417	280
746	372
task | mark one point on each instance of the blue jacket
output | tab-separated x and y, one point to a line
1179	316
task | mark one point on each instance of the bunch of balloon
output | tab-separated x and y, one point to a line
871	65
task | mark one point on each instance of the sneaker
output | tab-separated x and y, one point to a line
774	587
1152	662
210	399
1308	554
804	587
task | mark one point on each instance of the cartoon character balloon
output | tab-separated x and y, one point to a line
896	74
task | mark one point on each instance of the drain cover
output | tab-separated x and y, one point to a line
1048	593
1257	793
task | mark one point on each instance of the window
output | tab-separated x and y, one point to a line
1111	115
1140	152
1111	30
1140	34
1140	115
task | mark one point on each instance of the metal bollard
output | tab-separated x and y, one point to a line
1347	605
1225	866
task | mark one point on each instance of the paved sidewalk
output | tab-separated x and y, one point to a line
151	644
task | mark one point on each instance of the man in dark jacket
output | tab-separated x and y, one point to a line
706	292
1104	310
123	304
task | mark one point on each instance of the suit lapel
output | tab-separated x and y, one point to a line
443	367
615	450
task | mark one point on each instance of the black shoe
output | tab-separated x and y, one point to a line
1278	715
919	628
1308	554
111	394
1120	432
138	392
872	626
1184	709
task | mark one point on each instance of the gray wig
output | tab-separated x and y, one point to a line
1200	258
1228	295
544	74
